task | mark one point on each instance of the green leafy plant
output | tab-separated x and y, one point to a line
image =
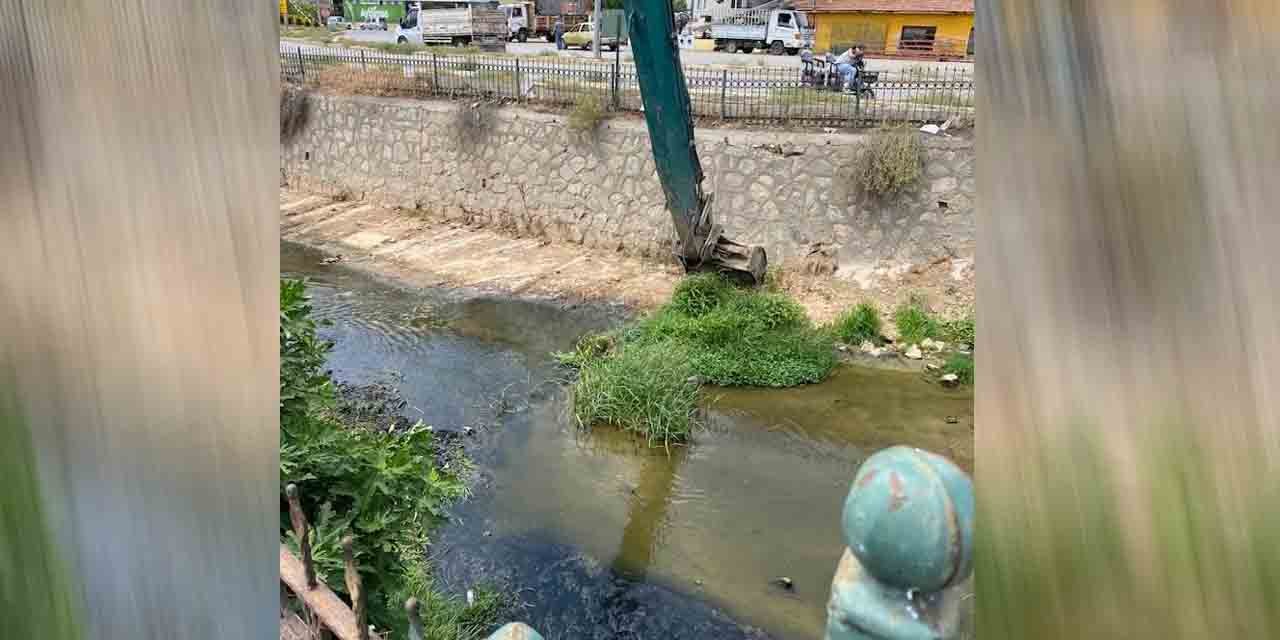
914	322
961	364
700	293
710	331
587	350
859	324
959	331
645	388
304	385
891	162
361	470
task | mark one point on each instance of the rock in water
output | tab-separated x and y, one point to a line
867	346
914	352
950	380
784	582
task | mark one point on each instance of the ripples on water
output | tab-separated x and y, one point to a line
614	538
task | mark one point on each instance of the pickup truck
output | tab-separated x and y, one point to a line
769	26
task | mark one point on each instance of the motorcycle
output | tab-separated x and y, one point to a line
820	73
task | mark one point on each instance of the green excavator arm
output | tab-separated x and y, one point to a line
701	245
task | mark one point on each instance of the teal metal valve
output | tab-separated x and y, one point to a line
515	631
667	112
908	525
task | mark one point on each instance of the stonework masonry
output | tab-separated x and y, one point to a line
529	172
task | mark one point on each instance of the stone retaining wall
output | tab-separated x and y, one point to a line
529	172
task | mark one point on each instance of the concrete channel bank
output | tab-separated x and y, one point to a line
529	172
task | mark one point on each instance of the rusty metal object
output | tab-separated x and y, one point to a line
908	525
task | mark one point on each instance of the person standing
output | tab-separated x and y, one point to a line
559	33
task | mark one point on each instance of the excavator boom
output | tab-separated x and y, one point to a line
701	245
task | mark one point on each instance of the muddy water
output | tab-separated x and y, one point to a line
606	538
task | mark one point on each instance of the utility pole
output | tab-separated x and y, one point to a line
595	29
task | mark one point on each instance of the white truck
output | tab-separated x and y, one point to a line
770	26
525	20
455	22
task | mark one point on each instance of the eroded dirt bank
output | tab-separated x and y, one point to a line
422	250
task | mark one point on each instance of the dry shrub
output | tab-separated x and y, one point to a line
891	162
389	82
588	112
295	112
472	124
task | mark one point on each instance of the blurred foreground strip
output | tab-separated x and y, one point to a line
138	284
1127	404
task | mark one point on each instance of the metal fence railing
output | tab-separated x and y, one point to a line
921	93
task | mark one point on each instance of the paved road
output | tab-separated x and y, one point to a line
712	58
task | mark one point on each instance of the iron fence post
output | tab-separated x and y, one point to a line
613	87
363	65
435	73
724	86
518	92
302	67
617	68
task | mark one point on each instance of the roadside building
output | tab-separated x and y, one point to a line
389	12
907	28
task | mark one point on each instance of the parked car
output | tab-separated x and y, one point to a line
582	36
337	23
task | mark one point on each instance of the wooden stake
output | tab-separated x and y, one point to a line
302	531
358	604
415	620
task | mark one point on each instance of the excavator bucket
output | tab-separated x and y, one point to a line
701	244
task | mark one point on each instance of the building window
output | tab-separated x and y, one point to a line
917	38
969	51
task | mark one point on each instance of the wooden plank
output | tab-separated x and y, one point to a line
332	611
293	628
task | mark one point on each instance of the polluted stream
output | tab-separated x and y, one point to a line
601	536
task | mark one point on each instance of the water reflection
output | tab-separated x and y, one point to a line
608	537
646	514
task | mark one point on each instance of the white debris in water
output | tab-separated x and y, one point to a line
471	597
